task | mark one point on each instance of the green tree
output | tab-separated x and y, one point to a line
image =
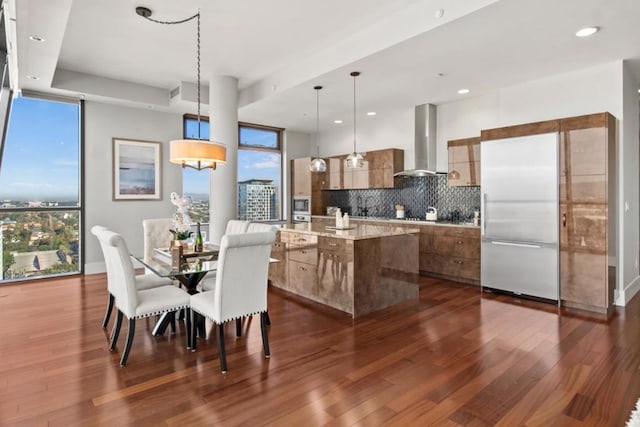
7	260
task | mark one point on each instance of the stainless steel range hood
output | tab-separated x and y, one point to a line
425	142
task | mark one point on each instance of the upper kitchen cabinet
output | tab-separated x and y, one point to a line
355	178
382	165
378	170
464	162
333	176
587	165
301	183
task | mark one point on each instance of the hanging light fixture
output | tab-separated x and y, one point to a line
318	164
355	159
189	153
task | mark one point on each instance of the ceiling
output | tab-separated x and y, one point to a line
278	50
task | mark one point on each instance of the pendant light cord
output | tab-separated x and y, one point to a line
317	88
182	21
354	110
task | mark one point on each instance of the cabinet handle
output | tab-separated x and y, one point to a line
564	219
458	262
303	251
333	244
302	268
459	242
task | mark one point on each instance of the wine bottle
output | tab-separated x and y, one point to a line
198	246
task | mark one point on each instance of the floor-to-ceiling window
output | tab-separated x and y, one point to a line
259	172
40	190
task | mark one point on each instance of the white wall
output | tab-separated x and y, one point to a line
629	193
103	122
392	129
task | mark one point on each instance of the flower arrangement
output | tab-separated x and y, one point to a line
181	219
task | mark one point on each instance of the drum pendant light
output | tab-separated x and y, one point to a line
318	164
355	159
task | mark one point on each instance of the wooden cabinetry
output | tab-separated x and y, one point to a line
586	204
333	176
587	146
464	162
278	270
307	183
335	273
302	263
378	170
450	252
382	165
301	182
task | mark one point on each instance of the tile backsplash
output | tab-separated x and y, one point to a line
415	193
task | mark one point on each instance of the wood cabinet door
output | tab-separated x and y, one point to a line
464	162
334	172
301	177
584	211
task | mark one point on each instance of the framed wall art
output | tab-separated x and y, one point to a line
136	169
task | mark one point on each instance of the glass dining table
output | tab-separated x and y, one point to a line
193	268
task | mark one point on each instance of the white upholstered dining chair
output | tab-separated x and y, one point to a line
131	301
156	235
236	226
144	281
241	286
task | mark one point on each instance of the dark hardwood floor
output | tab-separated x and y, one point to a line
456	357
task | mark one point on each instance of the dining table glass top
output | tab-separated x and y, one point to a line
193	262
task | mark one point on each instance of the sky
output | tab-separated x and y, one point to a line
41	155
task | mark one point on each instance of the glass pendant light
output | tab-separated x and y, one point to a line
318	164
355	159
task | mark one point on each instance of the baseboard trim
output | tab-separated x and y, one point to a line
624	296
95	267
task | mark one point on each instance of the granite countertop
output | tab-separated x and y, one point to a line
357	231
403	222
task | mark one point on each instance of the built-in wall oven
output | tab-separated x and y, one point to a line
301	208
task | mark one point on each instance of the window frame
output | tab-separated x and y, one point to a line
280	132
81	187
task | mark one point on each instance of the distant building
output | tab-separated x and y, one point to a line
257	200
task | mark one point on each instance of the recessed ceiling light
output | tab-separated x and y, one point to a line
35	38
33	77
440	75
337	122
587	31
371	113
463	91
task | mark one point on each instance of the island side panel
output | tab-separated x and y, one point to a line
385	272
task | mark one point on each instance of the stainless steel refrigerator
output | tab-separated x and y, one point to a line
519	226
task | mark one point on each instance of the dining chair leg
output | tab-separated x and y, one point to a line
187	319
265	338
115	331
195	318
172	318
266	313
107	315
238	327
130	333
221	353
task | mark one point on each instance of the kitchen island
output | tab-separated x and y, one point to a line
359	270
